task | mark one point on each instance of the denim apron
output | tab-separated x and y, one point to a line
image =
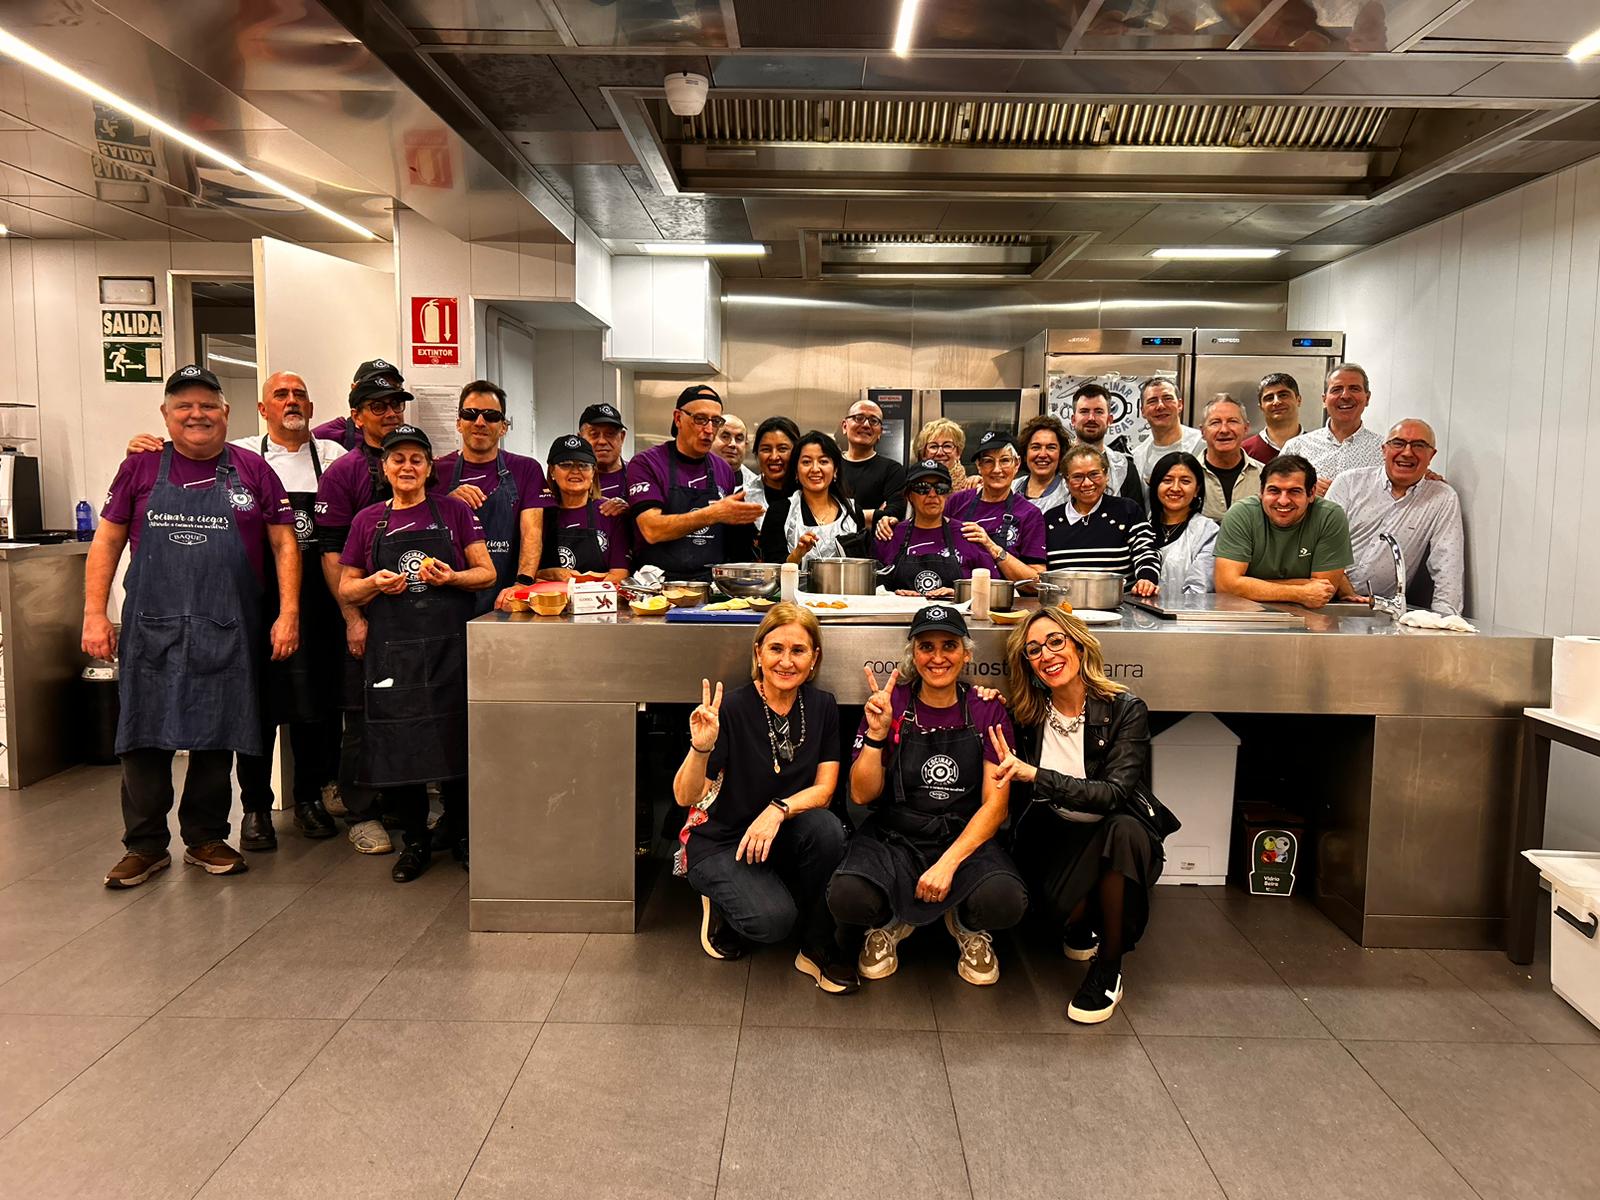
191	620
579	548
415	668
924	572
302	687
1007	529
694	554
499	515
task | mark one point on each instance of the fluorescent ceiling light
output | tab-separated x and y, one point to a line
1586	48
1215	252
14	47
904	25
704	249
238	362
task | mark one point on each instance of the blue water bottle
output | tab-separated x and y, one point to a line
85	516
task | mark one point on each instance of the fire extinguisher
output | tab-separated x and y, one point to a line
430	323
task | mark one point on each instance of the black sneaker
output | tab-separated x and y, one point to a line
1079	943
256	832
835	978
413	861
1098	995
717	937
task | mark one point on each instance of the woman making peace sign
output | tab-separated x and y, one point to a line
761	769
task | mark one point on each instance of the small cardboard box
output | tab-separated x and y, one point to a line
595	597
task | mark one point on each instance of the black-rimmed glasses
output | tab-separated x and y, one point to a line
1055	643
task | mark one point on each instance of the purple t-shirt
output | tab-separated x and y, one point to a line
931	541
614	486
612	530
984	714
1024	534
460	520
526	473
129	496
342	430
647	475
346	488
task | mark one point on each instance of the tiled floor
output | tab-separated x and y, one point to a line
311	1029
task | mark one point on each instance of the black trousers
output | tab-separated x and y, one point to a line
410	804
147	799
315	745
857	903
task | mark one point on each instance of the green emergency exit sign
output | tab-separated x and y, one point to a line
132	362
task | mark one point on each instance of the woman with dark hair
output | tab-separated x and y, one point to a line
773	445
579	539
1044	440
1097	532
818	512
1083	749
1186	537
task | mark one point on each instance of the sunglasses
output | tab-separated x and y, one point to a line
929	489
471	415
573	465
387	404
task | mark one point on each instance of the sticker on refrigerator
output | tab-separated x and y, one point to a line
435	331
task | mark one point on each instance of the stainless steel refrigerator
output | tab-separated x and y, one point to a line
1236	360
1060	361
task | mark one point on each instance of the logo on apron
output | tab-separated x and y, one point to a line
926	581
187	537
241	499
569	559
942	777
302	525
411	567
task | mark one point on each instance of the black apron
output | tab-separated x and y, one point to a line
579	548
351	698
303	687
191	620
500	516
1008	530
350	435
416	727
694	554
924	572
937	777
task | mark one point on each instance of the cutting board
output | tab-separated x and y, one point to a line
699	616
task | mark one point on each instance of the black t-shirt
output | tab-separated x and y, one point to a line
872	481
1227	477
743	754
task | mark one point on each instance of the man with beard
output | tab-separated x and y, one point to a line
1288	545
1091	420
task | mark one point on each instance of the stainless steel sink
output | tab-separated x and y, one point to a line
1345	608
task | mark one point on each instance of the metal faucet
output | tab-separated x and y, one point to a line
1394	606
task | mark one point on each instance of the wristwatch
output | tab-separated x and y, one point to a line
1000	555
524	581
875	743
780	805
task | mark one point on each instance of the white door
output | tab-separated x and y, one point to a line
510	363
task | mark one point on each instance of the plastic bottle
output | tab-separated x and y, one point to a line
788	581
980	594
85	521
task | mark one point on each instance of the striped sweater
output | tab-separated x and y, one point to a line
1115	537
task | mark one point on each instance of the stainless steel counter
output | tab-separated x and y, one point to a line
1413	795
41	621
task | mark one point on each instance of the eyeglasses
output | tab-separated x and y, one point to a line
991	462
1416	445
492	415
705	420
573	465
867	419
929	489
941	448
1087	479
1055	643
387	404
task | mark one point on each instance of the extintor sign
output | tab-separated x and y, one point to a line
435	331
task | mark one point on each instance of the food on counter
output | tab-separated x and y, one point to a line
1006	617
826	604
761	604
650	606
734	605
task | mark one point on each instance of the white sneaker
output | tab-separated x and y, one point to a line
879	957
977	963
370	837
332	801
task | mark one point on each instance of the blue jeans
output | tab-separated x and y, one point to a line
766	902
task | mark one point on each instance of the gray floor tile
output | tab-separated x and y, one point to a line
164	1133
37	839
812	1108
320	957
76	786
1583	1060
452	974
1298	1118
651	978
40	1055
389	1108
1042	1116
1036	982
781	995
1521	994
37	919
1512	1119
135	961
612	1110
296	860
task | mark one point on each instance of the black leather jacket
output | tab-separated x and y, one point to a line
1116	759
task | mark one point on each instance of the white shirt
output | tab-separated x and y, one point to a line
1146	454
1074	516
1426	521
1054	496
1330	456
293	467
1063	753
1189	563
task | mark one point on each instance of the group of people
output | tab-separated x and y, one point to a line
981	806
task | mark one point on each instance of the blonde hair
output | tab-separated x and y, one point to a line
780	614
931	430
1029	702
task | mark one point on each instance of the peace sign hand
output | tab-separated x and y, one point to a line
880	703
705	722
1011	767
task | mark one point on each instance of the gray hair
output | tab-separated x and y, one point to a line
908	664
1432	437
1220	398
1366	384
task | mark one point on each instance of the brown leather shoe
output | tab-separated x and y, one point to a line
218	858
134	869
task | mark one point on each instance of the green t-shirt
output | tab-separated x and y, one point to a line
1320	542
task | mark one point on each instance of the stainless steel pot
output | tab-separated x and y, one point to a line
844	576
747	580
1002	593
1081	589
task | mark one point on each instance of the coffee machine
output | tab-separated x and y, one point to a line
21	500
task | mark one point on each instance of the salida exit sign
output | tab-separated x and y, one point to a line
435	331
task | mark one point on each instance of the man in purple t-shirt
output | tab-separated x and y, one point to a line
345	430
197	519
687	506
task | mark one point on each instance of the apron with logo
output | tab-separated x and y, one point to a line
300	688
190	622
694	554
937	781
350	692
827	535
415	674
499	515
1006	530
580	548
925	572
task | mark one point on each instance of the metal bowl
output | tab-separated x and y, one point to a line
748	581
1002	592
686	593
1081	589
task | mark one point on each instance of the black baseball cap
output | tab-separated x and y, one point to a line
376	387
927	469
376	366
190	376
570	448
993	439
699	391
601	414
945	617
407	435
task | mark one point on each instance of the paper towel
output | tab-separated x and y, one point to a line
1575	678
